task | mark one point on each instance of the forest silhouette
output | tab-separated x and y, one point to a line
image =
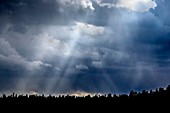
153	99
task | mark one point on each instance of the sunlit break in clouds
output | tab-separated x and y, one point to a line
84	46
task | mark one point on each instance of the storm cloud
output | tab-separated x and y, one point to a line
94	46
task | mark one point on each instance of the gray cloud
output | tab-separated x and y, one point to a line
81	67
97	64
6	48
86	4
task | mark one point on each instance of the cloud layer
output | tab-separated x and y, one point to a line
94	46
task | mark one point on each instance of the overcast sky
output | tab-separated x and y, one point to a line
94	46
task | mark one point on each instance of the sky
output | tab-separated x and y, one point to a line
92	46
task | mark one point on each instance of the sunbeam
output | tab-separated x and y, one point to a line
84	47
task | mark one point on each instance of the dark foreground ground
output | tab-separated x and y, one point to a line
154	101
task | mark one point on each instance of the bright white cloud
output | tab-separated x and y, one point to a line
58	43
48	46
138	5
87	4
89	29
36	65
133	5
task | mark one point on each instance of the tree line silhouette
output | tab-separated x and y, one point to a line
146	99
133	97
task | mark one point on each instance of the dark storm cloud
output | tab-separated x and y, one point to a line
60	46
37	12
